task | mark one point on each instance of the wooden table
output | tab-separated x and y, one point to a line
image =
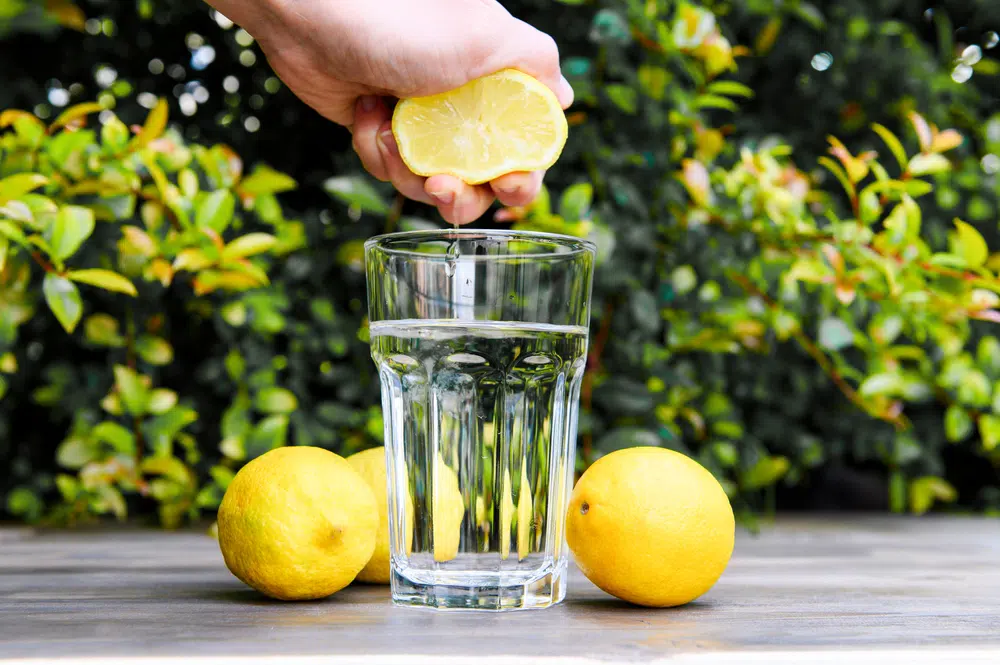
805	591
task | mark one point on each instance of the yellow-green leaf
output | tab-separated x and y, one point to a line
153	128
924	491
248	245
74	113
989	430
192	259
893	143
17	185
947	140
140	240
714	102
162	400
766	472
265	180
63	299
154	350
276	400
927	163
105	279
731	88
132	390
970	244
102	329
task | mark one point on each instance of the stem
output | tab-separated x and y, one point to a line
593	368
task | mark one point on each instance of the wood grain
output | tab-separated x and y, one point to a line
805	590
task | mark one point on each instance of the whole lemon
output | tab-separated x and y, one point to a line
297	523
370	465
650	526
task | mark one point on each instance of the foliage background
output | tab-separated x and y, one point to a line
744	312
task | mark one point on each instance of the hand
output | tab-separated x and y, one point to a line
344	58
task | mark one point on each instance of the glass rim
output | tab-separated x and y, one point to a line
575	247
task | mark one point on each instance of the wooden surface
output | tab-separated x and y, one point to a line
804	591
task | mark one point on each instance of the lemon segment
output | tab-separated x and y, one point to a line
491	126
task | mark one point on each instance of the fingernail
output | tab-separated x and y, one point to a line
566	90
443	198
510	189
388	142
368	103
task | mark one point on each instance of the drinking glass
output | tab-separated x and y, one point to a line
480	338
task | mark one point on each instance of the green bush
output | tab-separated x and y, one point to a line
774	302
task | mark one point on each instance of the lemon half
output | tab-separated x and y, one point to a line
491	126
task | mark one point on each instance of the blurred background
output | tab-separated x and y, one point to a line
812	318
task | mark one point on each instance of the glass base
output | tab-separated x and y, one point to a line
490	591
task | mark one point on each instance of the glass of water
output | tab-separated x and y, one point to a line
480	338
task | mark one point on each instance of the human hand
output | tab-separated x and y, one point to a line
347	59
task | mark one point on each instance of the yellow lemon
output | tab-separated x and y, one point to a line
370	465
449	510
650	526
491	126
297	523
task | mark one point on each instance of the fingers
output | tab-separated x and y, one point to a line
370	114
458	202
405	181
517	189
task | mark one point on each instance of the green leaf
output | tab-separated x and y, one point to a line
731	88
102	329
105	279
269	433
684	279
927	163
134	393
897	492
276	400
923	492
989	431
714	102
893	143
576	200
957	423
116	436
154	350
627	437
75	452
766	472
970	245
623	97
216	210
162	400
357	192
834	334
265	180
15	186
165	427
25	503
809	13
72	225
63	299
248	245
881	384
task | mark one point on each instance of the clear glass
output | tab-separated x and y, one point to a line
480	338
